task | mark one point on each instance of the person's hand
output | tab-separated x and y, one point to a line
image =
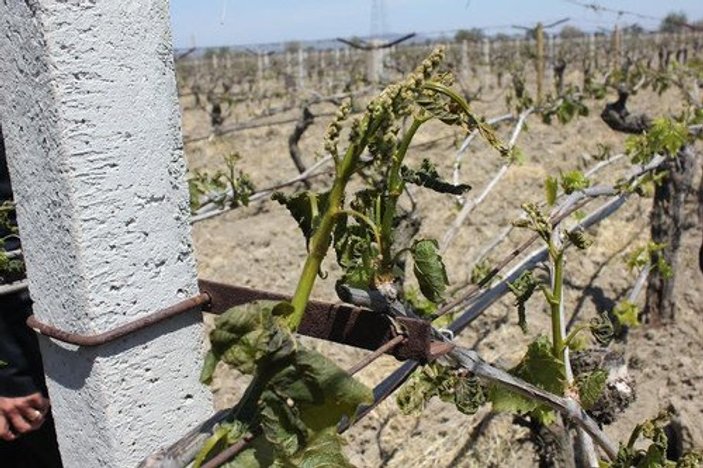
19	415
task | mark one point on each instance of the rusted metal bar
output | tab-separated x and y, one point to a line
230	452
121	331
337	322
375	355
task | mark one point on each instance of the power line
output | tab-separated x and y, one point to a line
597	8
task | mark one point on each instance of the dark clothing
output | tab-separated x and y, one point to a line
22	374
21	371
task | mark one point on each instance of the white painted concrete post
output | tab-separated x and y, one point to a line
321	59
90	114
374	62
337	65
592	50
486	52
289	68
464	61
518	49
259	71
551	61
301	69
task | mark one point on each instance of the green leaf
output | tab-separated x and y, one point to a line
654	455
427	176
690	460
590	387
419	304
245	337
323	391
323	451
651	254
298	393
551	185
208	368
538	367
627	313
480	271
665	136
226	434
429	269
572	181
281	423
306	208
201	183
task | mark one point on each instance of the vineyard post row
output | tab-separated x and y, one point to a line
473	59
89	105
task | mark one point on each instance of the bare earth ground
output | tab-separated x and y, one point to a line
261	246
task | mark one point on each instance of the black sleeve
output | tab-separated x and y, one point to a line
21	371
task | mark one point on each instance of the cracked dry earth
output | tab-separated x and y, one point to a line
261	246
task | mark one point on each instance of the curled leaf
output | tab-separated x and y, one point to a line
602	329
427	176
295	397
429	269
523	288
579	238
435	380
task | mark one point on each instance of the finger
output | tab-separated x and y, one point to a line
36	400
20	424
5	431
34	416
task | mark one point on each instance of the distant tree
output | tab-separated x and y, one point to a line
698	25
571	32
470	35
210	52
502	37
634	29
292	46
673	22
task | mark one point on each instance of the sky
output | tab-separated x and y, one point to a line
211	23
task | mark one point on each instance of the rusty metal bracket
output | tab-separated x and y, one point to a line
337	322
